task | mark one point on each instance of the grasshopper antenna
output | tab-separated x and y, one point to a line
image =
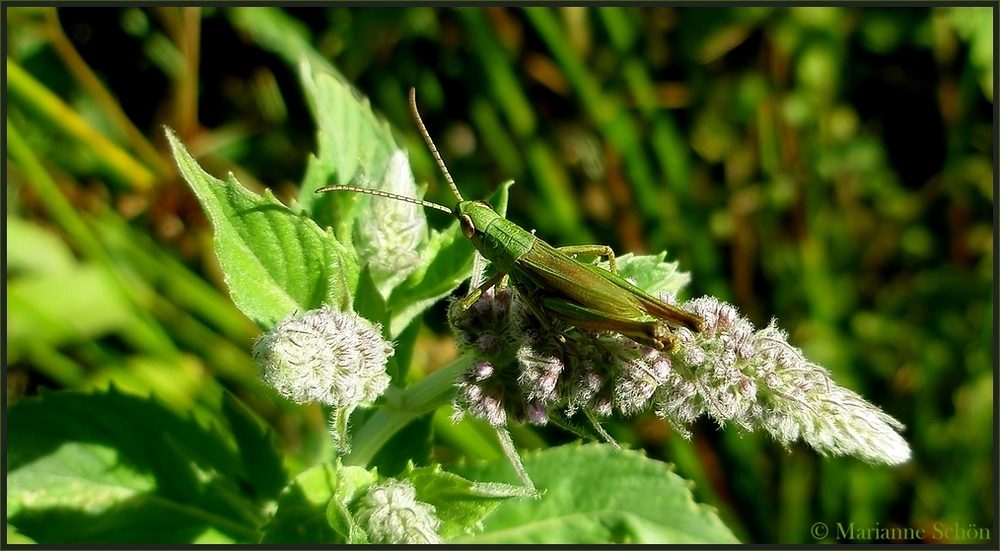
380	193
430	144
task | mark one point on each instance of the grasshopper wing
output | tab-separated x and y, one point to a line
549	273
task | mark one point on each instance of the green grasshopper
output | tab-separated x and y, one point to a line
549	279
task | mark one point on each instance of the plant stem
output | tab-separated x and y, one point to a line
400	410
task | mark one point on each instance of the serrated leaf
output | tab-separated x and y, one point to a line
275	262
301	516
86	468
596	494
460	504
304	515
353	145
261	461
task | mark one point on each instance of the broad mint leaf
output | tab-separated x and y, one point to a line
460	504
262	467
353	147
275	262
595	495
87	468
304	514
356	147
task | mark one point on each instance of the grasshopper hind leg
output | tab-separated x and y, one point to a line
602	434
538	311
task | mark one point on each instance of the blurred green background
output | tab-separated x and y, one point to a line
831	167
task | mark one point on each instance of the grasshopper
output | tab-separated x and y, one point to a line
551	281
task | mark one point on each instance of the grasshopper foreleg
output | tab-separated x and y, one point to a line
596	250
473	296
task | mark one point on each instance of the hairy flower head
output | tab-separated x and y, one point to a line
390	514
334	358
758	380
325	356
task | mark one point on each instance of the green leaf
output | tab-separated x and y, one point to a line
306	514
460	504
87	468
596	494
262	466
353	145
301	514
445	263
275	262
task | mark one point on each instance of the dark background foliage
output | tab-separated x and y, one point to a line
831	167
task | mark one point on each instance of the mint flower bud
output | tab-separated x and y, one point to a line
487	328
484	393
389	235
540	365
325	356
390	514
335	358
804	403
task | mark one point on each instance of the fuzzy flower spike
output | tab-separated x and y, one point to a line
527	372
757	380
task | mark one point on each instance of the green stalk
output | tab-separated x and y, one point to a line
32	95
403	408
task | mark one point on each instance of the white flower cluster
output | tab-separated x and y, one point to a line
758	380
729	371
334	358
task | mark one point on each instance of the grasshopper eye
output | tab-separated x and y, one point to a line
468	228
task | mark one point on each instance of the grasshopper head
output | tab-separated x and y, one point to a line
475	217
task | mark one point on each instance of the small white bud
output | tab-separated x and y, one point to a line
334	358
325	356
389	236
390	514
